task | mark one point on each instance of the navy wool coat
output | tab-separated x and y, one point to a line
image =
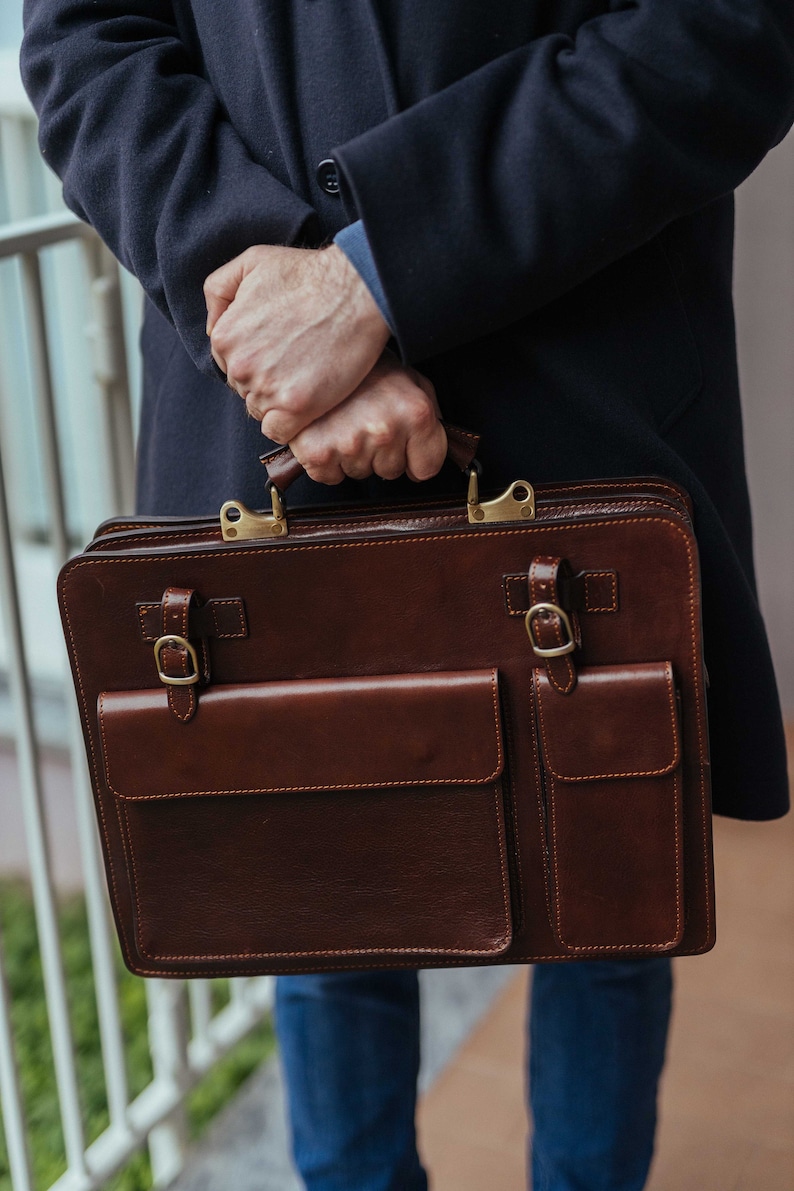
546	188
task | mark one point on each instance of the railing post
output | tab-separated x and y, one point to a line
106	334
168	1042
11	1095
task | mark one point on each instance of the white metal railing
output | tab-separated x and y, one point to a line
185	1037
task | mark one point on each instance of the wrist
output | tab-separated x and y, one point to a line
361	307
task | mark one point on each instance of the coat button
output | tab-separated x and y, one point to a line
327	176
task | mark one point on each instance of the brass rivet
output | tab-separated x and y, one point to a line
231	532
276	528
526	511
478	514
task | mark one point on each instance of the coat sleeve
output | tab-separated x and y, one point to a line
145	153
497	194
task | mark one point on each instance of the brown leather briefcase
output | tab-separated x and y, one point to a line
452	732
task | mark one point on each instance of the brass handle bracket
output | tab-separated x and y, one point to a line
516	503
239	523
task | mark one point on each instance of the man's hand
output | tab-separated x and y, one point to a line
295	330
388	426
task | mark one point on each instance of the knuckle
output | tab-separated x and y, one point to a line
220	338
274	426
350	446
321	475
423	414
380	434
318	457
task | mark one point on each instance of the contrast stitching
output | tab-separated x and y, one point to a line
510	581
236	602
514	806
142	611
596	777
589	576
417	781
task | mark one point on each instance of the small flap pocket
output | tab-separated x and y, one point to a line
620	721
316	734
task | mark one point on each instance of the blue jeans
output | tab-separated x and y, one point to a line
350	1052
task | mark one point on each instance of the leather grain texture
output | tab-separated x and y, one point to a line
347	792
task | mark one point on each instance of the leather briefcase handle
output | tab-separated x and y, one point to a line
283	468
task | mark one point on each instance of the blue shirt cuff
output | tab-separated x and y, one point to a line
355	245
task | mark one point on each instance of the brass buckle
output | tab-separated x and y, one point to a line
556	651
177	643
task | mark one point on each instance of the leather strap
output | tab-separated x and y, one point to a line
589	591
175	660
221	618
547	577
283	468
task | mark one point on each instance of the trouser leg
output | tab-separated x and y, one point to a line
597	1034
349	1044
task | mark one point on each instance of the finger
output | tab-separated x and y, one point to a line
357	469
320	463
219	360
221	286
390	462
281	425
426	452
428	388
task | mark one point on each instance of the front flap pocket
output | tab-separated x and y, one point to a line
346	816
611	761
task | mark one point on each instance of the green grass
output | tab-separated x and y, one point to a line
34	1052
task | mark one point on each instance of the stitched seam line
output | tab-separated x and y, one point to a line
510	793
592	607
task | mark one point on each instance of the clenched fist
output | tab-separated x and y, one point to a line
295	330
388	426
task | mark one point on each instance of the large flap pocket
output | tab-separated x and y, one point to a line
352	817
611	754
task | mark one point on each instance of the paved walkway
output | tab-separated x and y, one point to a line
727	1120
